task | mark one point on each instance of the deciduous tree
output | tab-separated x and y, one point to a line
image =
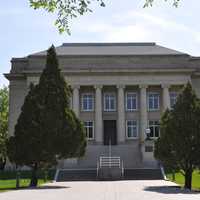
68	9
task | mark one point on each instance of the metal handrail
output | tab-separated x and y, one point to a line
109	161
97	168
122	168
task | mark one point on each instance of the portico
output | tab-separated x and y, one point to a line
121	113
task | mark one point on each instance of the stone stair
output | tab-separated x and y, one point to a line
143	174
76	175
91	175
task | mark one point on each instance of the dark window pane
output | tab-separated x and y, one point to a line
152	131
150	103
156	131
156	103
90	132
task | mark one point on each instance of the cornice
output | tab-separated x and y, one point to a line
125	70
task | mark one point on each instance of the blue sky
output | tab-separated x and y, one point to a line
24	31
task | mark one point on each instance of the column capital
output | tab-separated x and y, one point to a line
98	86
75	86
143	86
165	85
120	86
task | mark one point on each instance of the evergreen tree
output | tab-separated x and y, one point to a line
179	144
47	129
3	125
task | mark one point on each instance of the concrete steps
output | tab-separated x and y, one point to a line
76	175
143	174
91	175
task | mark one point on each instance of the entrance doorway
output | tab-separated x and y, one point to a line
110	133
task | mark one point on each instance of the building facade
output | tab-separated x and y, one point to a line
119	91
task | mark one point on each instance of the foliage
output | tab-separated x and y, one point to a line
3	125
26	174
179	144
66	10
47	129
150	3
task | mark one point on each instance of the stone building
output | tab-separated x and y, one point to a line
119	92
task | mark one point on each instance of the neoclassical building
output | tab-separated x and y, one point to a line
119	92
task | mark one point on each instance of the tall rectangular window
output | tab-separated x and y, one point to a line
131	101
131	129
87	102
89	129
154	126
153	101
109	102
173	98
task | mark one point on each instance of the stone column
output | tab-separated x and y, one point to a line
121	114
98	114
76	99
143	112
166	97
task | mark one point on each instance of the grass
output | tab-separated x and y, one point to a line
8	179
179	179
10	184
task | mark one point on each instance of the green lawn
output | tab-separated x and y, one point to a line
179	179
8	179
11	184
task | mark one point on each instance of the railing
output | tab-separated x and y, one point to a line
97	168
109	162
56	175
122	165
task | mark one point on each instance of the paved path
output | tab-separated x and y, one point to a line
100	190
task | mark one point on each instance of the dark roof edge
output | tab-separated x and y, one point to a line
113	55
195	58
19	59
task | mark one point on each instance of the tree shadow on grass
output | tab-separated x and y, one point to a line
170	190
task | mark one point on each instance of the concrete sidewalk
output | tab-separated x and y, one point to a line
101	190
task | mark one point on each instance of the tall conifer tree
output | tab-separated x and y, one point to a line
47	129
179	144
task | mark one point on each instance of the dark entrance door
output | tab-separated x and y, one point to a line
110	133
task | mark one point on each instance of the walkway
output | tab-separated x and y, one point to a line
100	190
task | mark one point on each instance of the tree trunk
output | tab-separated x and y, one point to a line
17	179
188	179
2	163
173	176
34	178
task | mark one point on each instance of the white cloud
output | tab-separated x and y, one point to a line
144	25
127	33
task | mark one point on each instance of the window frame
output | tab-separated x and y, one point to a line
137	129
87	121
136	99
148	97
154	120
104	102
82	104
